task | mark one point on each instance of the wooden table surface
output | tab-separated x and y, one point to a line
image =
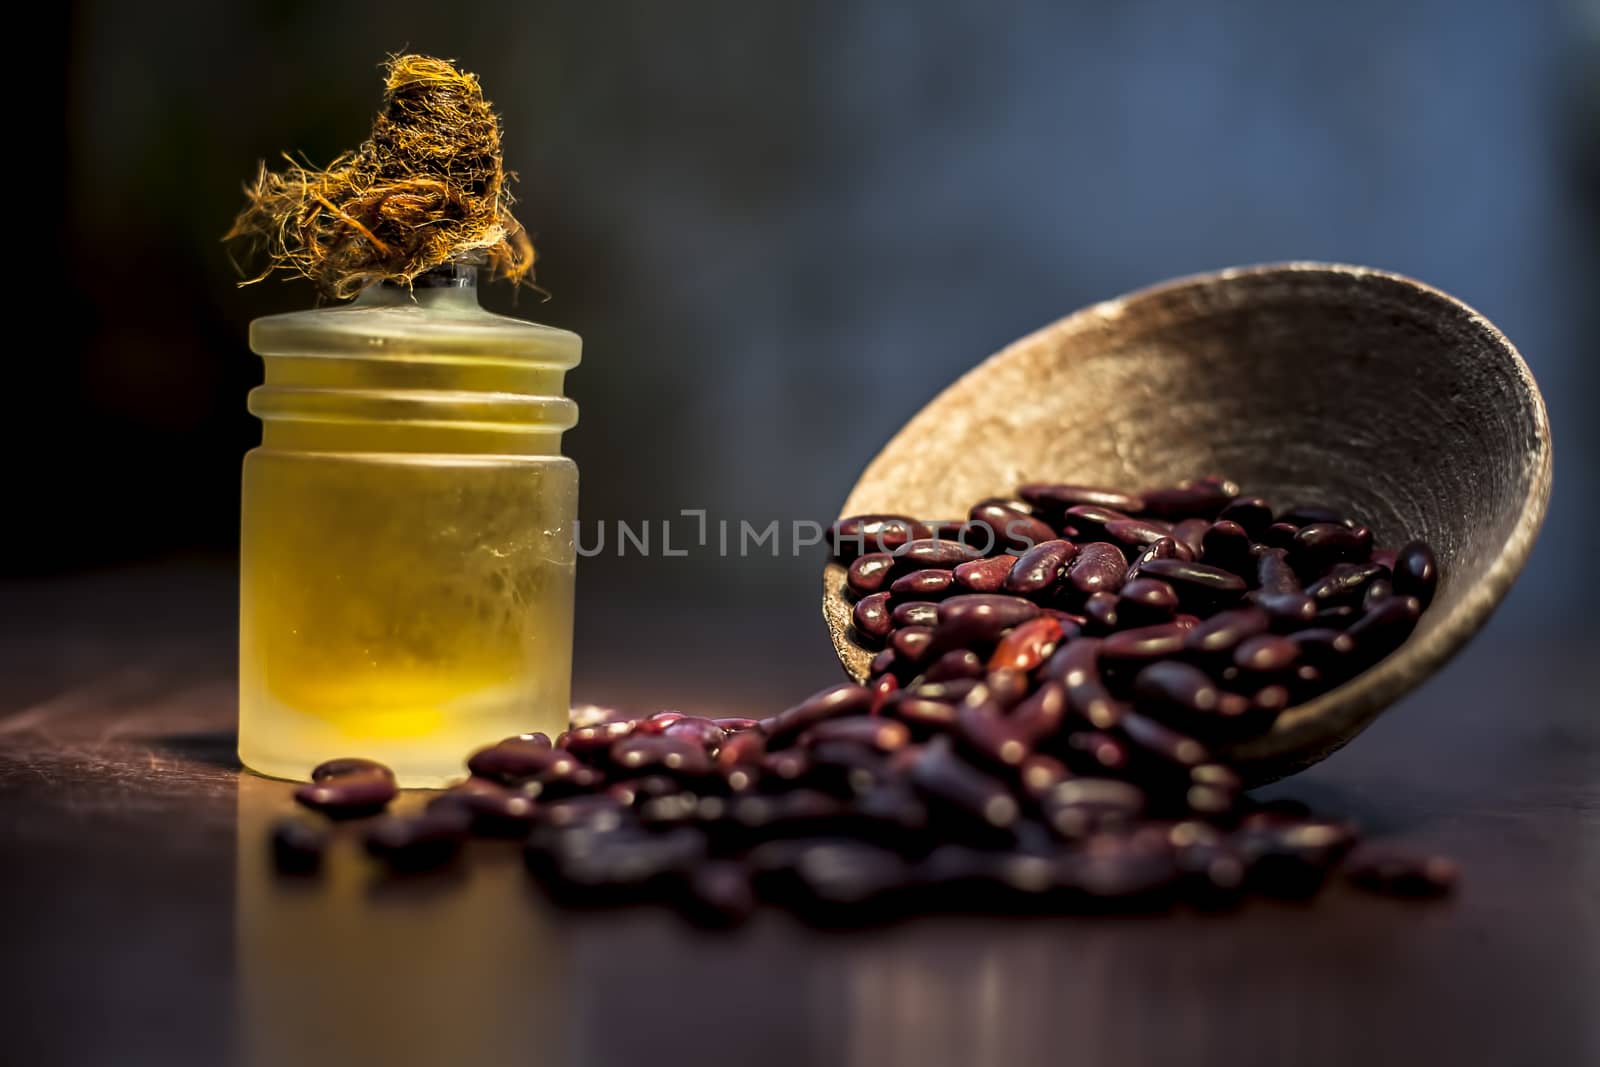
141	923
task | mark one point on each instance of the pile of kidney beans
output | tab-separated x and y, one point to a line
1037	732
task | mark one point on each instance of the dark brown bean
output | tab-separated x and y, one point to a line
1280	535
1385	628
1100	613
1385	869
1004	686
1038	774
985	575
923	715
935	554
338	768
1198	498
1010	528
1098	751
1090	519
1322	544
924	585
515	760
494	809
1162	741
1288	611
990	737
861	534
1346	583
1191	533
1225	544
1266	654
1196	583
1142	645
1039	716
418	842
979	618
915	613
1166	548
1251	512
647	755
871	617
1311	514
1027	645
869	573
911	643
951	691
1416	572
700	731
959	663
590	742
747	748
1222	633
1378	589
831	703
349	796
1143	601
1039	569
1328	649
297	846
943	778
1099	567
1079	807
1076	666
1137	534
884	735
1057	499
785	768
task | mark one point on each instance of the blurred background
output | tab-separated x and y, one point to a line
782	228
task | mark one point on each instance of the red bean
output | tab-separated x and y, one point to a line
924	585
869	573
1027	645
1100	568
985	575
1039	569
1059	498
861	534
1416	572
871	617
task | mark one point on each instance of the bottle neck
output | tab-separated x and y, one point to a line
451	286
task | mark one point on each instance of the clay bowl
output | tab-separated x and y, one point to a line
1303	382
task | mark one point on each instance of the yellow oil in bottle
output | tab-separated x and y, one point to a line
407	539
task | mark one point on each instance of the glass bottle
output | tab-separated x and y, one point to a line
407	535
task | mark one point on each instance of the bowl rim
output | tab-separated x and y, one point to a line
1314	730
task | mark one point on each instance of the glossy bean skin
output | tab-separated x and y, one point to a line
418	842
978	618
1057	499
349	796
1328	649
1225	544
862	534
1310	514
1027	645
923	585
1380	589
935	555
514	760
1197	583
1345	583
1090	519
911	643
1076	666
834	702
1280	535
1163	742
1416	572
872	618
1040	715
1040	568
1136	534
1385	628
1143	644
1198	498
985	575
884	735
1188	698
915	613
1003	686
989	737
869	573
1266	654
1223	632
958	663
1191	534
943	778
1100	567
700	731
952	691
745	748
1252	513
1144	601
1101	613
1166	548
1079	807
1322	544
1288	611
347	765
1010	528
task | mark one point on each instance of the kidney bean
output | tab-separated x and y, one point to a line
515	760
951	691
1090	519
1099	568
1166	548
834	702
418	842
923	715
1196	583
1076	665
1223	632
1098	750
1310	515
1337	617
1326	648
590	742
1266	654
1040	568
1385	628
871	617
985	575
1251	512
494	810
1401	873
1191	533
1378	589
1004	686
1040	715
348	765
990	737
747	748
883	687
1416	572
1009	527
1144	601
297	846
861	534
943	778
698	731
936	555
979	618
1026	646
1058	499
349	796
1038	773
1143	644
869	573
924	586
1100	613
1137	534
1079	807
884	735
911	643
1322	544
1345	583
959	663
1225	544
1197	498
1280	535
1288	611
1162	741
